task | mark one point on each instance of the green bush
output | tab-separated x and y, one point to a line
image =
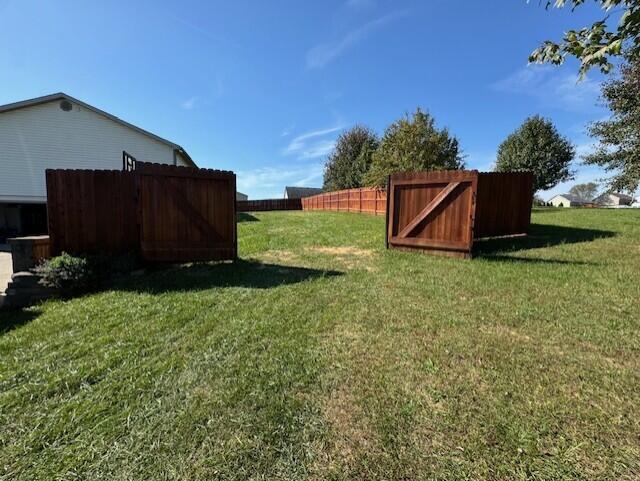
77	274
65	272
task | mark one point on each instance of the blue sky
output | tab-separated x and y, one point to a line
263	88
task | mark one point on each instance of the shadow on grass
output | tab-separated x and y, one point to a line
241	273
246	217
11	319
540	235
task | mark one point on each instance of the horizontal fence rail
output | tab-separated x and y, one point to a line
366	200
268	205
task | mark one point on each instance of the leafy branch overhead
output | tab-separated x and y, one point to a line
595	46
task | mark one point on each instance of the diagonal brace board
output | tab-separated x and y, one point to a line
431	206
187	209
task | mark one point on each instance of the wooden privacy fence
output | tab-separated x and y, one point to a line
367	200
444	211
166	213
268	204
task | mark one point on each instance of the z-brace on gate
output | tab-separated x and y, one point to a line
443	212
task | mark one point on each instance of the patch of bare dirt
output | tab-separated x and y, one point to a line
350	257
343	251
351	435
278	256
506	331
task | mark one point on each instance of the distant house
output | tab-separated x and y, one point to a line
300	192
60	132
241	196
566	200
613	199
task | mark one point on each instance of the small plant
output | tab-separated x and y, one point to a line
65	272
77	274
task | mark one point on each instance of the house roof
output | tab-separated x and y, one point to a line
62	96
622	196
300	192
570	198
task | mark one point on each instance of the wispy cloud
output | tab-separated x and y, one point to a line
482	161
312	144
287	131
552	88
322	54
189	103
269	182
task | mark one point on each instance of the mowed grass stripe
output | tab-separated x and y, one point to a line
323	356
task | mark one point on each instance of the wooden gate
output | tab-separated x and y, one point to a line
186	214
164	213
432	211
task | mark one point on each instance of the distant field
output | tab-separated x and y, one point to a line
320	355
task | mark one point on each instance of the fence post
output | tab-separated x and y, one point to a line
386	217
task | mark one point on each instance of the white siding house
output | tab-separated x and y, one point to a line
566	200
613	199
60	132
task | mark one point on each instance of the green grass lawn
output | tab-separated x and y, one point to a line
320	355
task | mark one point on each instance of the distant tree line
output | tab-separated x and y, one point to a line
414	143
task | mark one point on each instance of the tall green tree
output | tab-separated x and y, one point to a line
595	45
411	144
618	150
351	158
586	191
537	146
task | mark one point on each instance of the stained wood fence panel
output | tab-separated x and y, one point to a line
91	211
445	211
165	213
504	200
186	216
365	200
263	205
432	211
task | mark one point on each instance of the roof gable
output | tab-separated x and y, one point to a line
569	197
62	96
300	192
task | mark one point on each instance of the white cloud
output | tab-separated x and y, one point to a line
189	103
269	182
585	148
313	144
552	88
481	161
322	54
287	131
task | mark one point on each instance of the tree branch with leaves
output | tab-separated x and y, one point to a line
595	46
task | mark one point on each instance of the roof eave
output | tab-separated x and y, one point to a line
62	96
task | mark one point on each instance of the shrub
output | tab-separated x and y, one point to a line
413	144
77	274
65	272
